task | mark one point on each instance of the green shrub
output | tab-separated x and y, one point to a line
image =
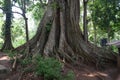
25	62
11	54
70	76
50	68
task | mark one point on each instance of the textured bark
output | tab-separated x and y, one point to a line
65	39
7	27
26	20
85	20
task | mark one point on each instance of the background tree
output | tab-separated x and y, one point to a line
37	10
22	6
85	29
105	16
18	22
7	26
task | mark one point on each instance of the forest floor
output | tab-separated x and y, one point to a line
82	72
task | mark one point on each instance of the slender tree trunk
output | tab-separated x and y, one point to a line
23	8
108	34
64	40
26	28
95	37
95	34
7	39
26	20
85	20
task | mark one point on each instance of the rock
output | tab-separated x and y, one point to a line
3	72
3	69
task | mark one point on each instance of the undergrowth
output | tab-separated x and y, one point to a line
51	68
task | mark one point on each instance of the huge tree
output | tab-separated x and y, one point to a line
59	35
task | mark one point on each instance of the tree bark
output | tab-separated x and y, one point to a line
7	39
85	20
26	20
64	40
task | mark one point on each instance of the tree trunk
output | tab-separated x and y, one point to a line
95	36
26	20
108	33
85	20
7	39
64	40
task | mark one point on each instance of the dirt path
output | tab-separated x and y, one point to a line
85	72
4	60
82	72
4	66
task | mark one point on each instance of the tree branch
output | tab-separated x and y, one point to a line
1	8
18	13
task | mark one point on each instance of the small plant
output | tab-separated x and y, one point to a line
11	54
48	26
70	76
25	61
50	68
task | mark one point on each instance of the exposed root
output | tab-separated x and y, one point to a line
20	77
14	63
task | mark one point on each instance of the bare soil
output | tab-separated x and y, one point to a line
82	71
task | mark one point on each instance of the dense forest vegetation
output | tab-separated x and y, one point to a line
42	37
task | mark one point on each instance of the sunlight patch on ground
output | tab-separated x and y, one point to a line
95	74
4	58
102	74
